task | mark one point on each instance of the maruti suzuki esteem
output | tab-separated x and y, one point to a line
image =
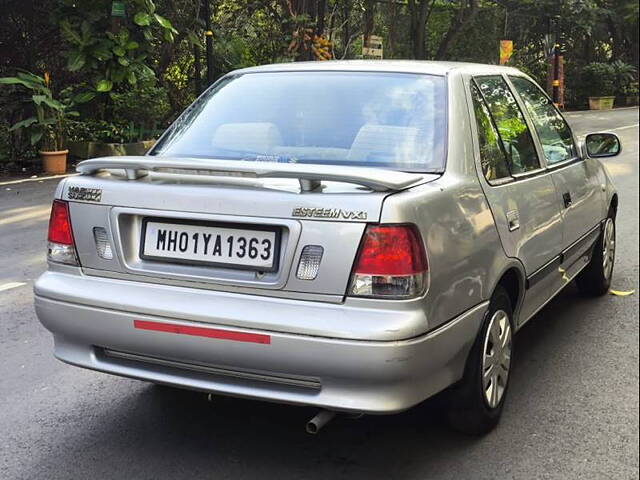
355	236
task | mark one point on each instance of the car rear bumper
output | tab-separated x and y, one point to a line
339	374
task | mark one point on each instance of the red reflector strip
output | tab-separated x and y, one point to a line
202	332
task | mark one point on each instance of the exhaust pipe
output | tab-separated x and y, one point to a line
320	420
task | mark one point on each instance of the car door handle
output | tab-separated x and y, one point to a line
566	198
513	220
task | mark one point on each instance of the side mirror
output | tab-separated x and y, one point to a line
599	145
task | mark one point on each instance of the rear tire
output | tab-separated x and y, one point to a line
476	402
595	279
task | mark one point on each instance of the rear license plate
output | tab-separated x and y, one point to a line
228	245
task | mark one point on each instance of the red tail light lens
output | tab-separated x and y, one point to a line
391	250
61	248
391	263
60	224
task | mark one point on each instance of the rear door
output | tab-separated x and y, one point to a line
579	194
521	193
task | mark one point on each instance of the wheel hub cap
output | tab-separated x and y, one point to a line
496	359
608	247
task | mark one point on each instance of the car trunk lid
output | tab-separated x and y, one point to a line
144	206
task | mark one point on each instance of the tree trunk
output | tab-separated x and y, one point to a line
617	47
635	47
419	11
392	12
209	43
368	21
197	72
332	26
310	9
346	28
464	16
322	5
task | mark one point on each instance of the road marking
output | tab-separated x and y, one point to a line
39	179
624	293
635	125
576	113
29	213
10	285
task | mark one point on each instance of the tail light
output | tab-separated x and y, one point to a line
391	263
61	247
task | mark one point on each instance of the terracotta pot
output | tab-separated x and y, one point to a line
54	162
601	103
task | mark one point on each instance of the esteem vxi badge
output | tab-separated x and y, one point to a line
84	193
336	213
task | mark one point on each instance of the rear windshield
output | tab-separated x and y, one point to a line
332	118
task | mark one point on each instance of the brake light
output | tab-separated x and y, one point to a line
61	248
391	263
60	224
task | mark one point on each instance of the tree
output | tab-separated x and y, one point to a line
419	11
466	13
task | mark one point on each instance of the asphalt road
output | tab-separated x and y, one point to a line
572	410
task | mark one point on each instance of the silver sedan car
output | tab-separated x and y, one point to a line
355	236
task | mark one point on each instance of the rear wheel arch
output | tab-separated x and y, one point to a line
512	280
512	283
613	206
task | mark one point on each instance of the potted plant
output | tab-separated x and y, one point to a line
630	94
46	127
599	81
99	138
626	86
134	115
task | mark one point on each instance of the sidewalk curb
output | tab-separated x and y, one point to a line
38	179
578	112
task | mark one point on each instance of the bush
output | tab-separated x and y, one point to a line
17	155
146	105
98	131
598	80
624	78
5	142
16	150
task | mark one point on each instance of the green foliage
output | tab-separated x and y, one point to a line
137	113
598	80
100	131
5	144
144	67
624	78
248	32
145	104
46	126
106	52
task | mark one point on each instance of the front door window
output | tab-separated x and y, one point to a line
553	131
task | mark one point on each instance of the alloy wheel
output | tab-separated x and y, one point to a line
496	359
608	247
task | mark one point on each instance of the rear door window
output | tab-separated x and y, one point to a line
492	156
554	133
510	121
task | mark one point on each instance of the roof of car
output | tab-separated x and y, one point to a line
397	66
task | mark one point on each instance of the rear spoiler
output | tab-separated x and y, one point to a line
310	176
